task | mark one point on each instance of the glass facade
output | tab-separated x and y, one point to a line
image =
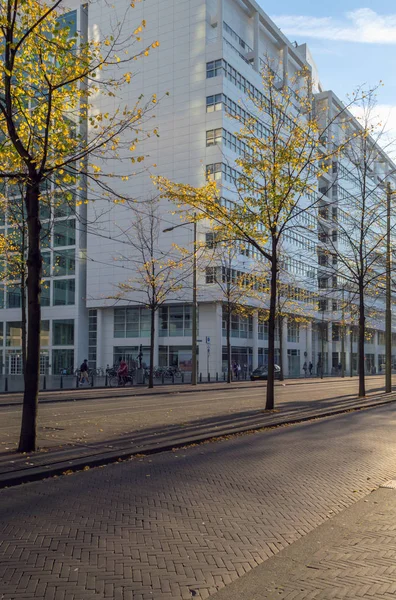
63	332
131	322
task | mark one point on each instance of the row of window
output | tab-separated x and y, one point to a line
62	333
292	265
299	240
132	322
220	66
216	102
217	136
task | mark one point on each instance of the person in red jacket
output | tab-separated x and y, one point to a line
122	371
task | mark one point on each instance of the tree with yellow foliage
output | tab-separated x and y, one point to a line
274	180
51	129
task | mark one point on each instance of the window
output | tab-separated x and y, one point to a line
46	293
322	260
62	359
64	263
334	236
214	103
14	296
334	305
263	330
44	333
92	337
131	322
65	233
63	332
335	333
213	172
64	204
214	136
293	331
322	283
214	68
241	326
64	292
46	264
322	305
175	320
210	274
14	333
381	338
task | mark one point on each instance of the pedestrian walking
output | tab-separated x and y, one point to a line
310	366
84	372
305	368
235	369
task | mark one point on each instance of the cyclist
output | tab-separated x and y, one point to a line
122	371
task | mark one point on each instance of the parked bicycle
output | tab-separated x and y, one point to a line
167	372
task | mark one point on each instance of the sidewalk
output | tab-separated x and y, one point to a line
353	556
88	393
16	468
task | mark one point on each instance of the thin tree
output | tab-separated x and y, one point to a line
236	283
159	273
360	214
51	129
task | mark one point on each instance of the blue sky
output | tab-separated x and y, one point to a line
353	42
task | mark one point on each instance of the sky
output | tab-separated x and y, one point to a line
353	43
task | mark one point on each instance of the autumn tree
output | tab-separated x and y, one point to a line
274	181
52	130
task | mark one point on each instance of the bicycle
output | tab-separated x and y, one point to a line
114	380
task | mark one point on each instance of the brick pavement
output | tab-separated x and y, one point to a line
96	438
184	524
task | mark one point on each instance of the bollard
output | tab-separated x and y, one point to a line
44	383
77	382
92	380
200	378
106	381
6	384
163	378
208	377
217	377
173	379
182	377
61	382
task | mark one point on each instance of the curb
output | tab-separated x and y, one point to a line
101	459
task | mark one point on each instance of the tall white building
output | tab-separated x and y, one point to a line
209	59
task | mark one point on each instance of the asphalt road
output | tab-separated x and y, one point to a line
106	415
185	524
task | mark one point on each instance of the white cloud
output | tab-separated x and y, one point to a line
383	118
363	25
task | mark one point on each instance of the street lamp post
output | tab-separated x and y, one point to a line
343	336
194	299
388	309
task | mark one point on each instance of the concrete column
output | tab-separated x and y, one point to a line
285	362
156	340
255	339
308	345
285	65
220	13
376	344
100	338
329	347
210	339
256	40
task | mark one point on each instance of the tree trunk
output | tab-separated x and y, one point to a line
271	330
23	296
362	321
280	326
152	342
229	359
27	440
